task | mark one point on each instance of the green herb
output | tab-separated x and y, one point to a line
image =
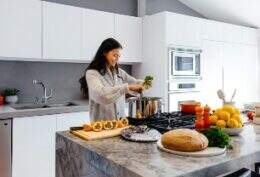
11	92
148	81
217	137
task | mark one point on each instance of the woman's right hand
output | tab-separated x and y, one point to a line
136	87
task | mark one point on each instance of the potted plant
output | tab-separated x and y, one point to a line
11	95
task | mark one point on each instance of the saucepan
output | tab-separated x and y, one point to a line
143	107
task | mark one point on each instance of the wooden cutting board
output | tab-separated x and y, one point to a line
208	152
91	135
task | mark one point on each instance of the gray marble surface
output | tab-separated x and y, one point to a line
117	157
6	111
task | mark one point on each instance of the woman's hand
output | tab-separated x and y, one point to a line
136	87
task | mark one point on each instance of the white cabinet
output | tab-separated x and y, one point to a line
96	27
20	31
128	31
250	74
34	142
233	63
183	30
249	36
211	72
232	33
67	120
34	146
62	30
212	30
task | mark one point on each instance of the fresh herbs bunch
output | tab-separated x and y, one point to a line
217	137
11	92
148	82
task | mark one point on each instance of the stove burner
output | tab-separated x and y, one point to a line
167	121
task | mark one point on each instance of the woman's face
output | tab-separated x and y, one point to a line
113	56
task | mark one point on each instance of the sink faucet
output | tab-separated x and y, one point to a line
45	97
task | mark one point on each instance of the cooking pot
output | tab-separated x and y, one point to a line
189	107
142	107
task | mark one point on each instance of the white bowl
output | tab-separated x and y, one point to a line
233	131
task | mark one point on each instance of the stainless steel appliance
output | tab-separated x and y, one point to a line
141	107
5	148
184	63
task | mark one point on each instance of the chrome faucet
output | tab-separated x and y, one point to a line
45	97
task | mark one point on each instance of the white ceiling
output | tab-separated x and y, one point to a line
241	12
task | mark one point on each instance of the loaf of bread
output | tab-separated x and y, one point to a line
184	140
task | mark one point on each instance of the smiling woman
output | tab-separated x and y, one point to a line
106	84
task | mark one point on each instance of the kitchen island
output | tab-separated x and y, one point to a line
115	157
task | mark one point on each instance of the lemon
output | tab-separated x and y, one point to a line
236	117
223	115
217	111
232	123
221	124
230	109
213	119
237	111
240	125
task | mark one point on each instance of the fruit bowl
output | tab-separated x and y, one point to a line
233	131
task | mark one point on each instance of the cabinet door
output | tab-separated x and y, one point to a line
184	30
250	74
20	31
211	72
232	33
233	63
128	31
67	120
34	146
249	36
212	30
97	26
61	31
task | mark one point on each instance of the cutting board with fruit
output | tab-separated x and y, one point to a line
100	129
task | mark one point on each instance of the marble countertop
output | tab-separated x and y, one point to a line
7	111
117	157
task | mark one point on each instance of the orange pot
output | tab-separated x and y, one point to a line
2	100
189	107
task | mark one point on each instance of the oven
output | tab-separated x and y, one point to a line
184	63
181	91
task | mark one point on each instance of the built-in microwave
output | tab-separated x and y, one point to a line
184	63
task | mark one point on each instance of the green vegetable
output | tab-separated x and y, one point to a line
148	82
217	137
11	92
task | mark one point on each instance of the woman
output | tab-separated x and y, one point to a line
106	84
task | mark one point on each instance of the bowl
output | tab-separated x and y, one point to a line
233	131
189	107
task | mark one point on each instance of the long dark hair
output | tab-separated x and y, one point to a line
99	62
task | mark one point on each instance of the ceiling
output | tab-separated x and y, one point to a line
241	12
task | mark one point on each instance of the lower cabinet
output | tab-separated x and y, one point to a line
34	142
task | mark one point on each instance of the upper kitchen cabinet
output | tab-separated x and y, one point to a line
212	30
128	31
232	33
62	31
183	30
97	26
20	31
249	36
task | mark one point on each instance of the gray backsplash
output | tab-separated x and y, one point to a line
62	77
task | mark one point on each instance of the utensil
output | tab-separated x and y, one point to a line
234	94
221	95
142	107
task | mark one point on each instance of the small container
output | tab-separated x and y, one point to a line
257	111
2	100
232	103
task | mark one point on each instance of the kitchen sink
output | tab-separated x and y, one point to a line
39	106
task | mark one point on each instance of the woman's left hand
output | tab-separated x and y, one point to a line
136	87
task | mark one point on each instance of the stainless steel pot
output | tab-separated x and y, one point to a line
142	107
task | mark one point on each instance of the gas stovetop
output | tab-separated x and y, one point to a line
167	121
